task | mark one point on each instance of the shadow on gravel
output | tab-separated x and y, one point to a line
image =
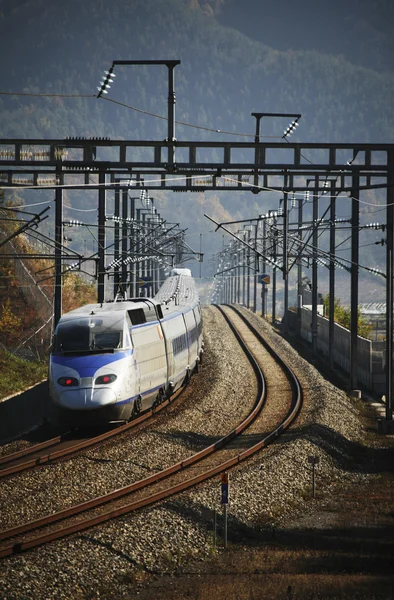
195	441
93	541
348	455
330	550
47	431
42	433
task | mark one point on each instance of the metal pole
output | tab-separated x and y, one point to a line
264	288
149	262
171	115
225	525
133	276
233	281
299	270
200	256
389	285
315	211
256	268
275	233
116	239
331	295
214	529
285	265
124	241
248	275
354	281
101	239
138	264
130	246
243	271
239	250
257	151
144	263
57	307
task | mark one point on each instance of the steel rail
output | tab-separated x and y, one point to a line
99	501
74	448
23	545
46	458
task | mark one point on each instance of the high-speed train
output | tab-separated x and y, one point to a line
111	361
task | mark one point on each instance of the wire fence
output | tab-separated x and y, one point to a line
36	341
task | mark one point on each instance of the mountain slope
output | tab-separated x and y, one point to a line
224	76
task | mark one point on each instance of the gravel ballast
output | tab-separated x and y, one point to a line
118	558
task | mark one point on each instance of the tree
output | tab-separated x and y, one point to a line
77	292
9	324
342	316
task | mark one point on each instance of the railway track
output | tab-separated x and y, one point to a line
70	443
225	453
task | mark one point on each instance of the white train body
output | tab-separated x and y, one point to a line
111	360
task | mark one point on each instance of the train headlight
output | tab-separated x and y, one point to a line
68	381
103	379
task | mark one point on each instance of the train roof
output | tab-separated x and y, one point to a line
177	292
110	308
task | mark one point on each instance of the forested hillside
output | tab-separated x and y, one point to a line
362	31
224	75
334	66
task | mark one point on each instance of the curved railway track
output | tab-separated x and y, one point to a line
70	443
212	460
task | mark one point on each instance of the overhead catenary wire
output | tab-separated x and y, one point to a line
46	94
301	194
185	124
140	110
113	184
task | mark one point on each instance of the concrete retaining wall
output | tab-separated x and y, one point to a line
21	413
370	355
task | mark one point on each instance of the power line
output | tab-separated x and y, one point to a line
47	95
252	135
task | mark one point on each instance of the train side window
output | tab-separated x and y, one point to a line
137	316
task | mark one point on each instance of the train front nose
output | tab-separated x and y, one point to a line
87	398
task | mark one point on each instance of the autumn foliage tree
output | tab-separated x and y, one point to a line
20	318
77	292
10	324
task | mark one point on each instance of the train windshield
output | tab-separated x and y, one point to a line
87	335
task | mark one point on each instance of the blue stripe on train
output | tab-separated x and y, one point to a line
88	361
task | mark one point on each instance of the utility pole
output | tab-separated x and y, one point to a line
256	269
354	280
58	250
264	288
389	286
275	233
331	296
116	240
315	211
101	239
285	252
299	270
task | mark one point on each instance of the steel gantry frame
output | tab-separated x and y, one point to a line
199	166
74	164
